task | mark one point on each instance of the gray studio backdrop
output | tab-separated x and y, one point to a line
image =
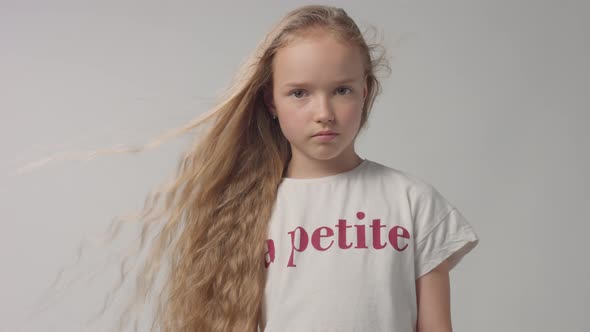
487	100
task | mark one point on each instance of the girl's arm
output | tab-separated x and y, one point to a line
433	299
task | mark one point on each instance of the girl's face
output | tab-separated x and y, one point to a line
318	85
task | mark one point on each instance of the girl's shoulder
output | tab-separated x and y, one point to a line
415	185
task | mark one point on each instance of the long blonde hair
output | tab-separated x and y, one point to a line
213	215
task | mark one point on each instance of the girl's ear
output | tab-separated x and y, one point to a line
268	99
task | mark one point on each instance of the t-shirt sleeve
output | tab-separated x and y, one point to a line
440	232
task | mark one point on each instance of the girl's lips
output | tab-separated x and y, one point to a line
325	138
325	132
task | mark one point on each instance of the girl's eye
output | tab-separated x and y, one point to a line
295	91
340	89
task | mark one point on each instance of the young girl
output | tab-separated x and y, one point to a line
275	223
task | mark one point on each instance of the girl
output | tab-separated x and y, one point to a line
275	223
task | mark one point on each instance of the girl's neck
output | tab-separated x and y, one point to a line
300	168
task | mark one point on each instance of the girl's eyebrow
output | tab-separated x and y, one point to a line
295	84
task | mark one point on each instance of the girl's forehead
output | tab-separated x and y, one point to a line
317	57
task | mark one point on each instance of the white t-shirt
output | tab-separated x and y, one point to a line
344	251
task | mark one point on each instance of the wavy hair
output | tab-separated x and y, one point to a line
212	216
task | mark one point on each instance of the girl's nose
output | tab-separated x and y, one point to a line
324	110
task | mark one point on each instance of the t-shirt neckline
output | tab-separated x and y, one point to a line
329	178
